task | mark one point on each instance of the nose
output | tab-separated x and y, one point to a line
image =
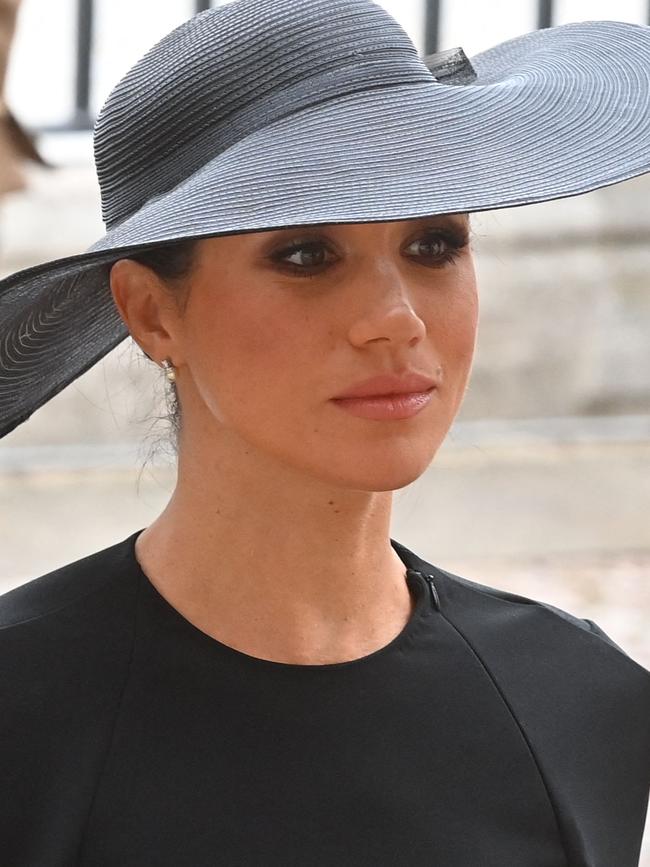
385	310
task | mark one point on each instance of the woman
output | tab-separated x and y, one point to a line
262	676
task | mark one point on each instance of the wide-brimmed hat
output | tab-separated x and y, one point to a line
259	115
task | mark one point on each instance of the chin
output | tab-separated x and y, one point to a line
376	474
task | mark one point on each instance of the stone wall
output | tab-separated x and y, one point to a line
565	307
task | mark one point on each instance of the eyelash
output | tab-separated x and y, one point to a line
455	240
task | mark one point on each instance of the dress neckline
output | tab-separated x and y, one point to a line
419	587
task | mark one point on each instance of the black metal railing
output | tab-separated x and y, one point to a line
544	14
85	16
83	119
543	18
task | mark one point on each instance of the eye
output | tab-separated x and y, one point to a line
306	256
438	246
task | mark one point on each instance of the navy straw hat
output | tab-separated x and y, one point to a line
259	115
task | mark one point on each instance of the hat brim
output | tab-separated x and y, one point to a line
555	113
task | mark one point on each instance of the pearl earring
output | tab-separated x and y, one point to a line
170	373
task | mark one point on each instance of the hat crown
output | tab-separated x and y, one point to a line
180	105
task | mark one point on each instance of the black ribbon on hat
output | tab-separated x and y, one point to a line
451	66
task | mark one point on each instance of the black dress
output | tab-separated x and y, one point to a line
493	731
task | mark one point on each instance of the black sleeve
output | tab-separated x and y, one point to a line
593	627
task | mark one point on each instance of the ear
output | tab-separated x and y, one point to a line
147	309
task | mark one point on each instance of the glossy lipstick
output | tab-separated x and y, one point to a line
388	396
392	406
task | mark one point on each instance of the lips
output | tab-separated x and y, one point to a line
389	384
386	407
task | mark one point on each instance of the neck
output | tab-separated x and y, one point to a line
276	563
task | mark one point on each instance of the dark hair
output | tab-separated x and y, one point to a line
172	263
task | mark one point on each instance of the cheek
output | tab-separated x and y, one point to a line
457	326
456	341
248	355
451	323
453	317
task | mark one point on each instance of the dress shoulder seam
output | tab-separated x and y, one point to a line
62	607
522	731
59	581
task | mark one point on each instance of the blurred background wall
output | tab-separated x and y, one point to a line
543	484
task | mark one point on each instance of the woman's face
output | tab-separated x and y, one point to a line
279	323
